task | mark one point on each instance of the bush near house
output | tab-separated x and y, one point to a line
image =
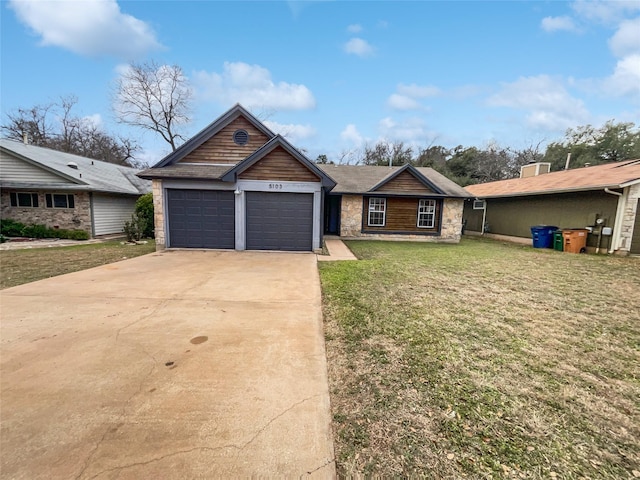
144	211
11	228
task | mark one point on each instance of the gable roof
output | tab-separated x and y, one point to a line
91	175
211	130
277	141
361	179
598	177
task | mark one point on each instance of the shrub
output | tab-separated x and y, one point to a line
11	228
134	230
144	211
36	231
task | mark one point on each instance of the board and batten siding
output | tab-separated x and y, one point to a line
16	170
110	212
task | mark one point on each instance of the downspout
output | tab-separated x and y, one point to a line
617	226
484	217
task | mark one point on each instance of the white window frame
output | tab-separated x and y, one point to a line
377	205
426	213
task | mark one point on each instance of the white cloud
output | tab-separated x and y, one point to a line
418	91
290	131
95	120
355	28
553	24
93	28
411	130
625	80
352	135
626	40
358	46
605	11
402	102
549	105
252	86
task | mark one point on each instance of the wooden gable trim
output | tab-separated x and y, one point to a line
405	183
279	165
432	188
221	149
211	130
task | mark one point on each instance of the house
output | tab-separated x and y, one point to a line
237	185
604	199
60	190
393	203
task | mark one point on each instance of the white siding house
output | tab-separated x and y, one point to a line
43	186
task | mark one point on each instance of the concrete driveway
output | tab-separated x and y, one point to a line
181	364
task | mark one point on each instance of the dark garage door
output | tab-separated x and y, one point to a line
201	218
279	221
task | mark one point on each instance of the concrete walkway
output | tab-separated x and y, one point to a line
337	251
173	365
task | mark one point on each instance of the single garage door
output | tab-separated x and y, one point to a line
279	221
201	218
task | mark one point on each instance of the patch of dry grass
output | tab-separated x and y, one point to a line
28	265
483	360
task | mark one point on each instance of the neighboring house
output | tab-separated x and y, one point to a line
393	203
237	185
603	198
60	190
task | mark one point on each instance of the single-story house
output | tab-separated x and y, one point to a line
60	190
605	199
238	185
393	203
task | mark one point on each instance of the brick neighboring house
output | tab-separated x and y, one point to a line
60	190
603	198
393	203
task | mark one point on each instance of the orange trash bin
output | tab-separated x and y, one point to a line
575	240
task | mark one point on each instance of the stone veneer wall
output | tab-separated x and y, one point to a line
629	218
158	213
77	218
351	222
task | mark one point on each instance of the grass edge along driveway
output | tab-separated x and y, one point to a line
483	360
21	266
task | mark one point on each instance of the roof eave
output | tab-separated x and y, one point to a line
46	167
553	191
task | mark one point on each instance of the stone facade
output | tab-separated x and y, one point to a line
77	218
351	222
158	213
629	217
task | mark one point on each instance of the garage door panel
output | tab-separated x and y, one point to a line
279	221
201	218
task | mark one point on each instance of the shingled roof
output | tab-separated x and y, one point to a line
360	179
88	174
599	177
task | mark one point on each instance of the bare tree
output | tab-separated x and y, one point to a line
68	132
154	97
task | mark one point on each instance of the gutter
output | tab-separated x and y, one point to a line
617	226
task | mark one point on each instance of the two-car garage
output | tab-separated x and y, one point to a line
272	220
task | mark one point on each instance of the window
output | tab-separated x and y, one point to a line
60	200
478	205
377	209
23	199
427	213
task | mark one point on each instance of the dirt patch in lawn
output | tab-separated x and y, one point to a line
483	360
28	265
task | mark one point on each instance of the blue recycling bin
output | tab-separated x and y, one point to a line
542	236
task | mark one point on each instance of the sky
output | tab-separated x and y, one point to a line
336	76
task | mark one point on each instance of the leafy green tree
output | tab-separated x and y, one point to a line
144	212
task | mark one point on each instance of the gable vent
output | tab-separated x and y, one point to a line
240	137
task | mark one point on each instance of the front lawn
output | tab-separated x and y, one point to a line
31	264
483	360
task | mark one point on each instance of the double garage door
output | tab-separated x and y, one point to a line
273	221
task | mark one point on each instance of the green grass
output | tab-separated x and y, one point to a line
28	265
483	360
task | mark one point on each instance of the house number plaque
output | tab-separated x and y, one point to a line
275	186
